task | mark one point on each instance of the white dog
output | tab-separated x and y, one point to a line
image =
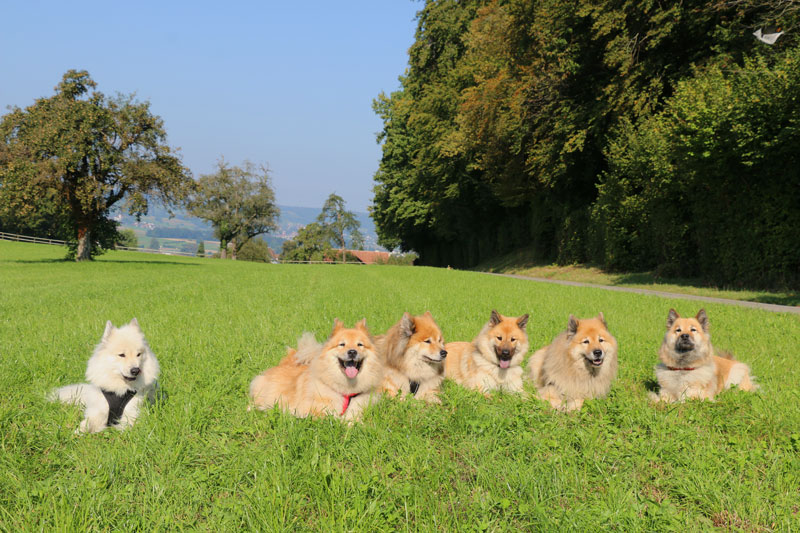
122	375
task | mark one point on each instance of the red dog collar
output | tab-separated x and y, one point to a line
347	401
679	368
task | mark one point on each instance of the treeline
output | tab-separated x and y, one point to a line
635	135
182	233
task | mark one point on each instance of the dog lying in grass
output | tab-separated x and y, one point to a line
122	375
414	354
690	367
491	361
338	378
578	365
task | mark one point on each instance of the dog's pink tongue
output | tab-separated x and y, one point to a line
505	364
351	371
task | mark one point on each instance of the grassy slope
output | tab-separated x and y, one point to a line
520	262
200	460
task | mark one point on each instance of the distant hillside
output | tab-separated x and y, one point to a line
158	223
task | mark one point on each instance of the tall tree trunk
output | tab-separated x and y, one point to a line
84	252
233	249
223	249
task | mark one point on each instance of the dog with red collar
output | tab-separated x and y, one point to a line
690	367
338	378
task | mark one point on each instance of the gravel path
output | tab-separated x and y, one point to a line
756	305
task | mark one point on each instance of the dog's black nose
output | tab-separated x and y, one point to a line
352	354
597	353
135	371
506	352
443	353
684	336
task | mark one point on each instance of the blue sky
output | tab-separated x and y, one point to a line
289	84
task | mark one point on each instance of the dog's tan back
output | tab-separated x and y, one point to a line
689	366
336	378
580	363
491	361
414	353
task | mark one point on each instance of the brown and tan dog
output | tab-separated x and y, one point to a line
578	365
338	378
689	366
414	354
491	361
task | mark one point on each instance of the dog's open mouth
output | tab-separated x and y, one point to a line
504	363
595	362
432	360
129	378
350	367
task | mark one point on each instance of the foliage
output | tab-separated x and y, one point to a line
76	154
155	244
255	250
238	201
340	224
201	249
200	460
312	243
711	184
127	238
509	111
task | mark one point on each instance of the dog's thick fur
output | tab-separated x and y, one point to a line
414	354
491	361
578	365
121	362
317	379
690	367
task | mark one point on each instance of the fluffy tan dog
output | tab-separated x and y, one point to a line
414	354
492	361
336	378
689	366
578	365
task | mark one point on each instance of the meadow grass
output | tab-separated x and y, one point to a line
520	262
198	460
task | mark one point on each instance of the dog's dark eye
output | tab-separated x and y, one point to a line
138	355
513	339
360	345
600	339
499	338
678	330
428	341
693	330
342	345
122	355
586	341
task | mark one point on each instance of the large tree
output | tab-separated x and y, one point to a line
238	201
312	243
78	153
340	224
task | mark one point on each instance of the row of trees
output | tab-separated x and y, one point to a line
636	135
67	160
335	227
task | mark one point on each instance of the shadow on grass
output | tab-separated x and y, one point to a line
651	385
118	261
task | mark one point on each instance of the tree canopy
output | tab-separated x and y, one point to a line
71	157
238	202
340	224
513	115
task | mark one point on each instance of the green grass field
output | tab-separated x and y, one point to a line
521	262
198	460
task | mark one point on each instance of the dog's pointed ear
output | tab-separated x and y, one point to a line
108	330
672	317
135	323
495	318
702	317
523	321
337	325
602	319
572	326
428	315
362	325
407	326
